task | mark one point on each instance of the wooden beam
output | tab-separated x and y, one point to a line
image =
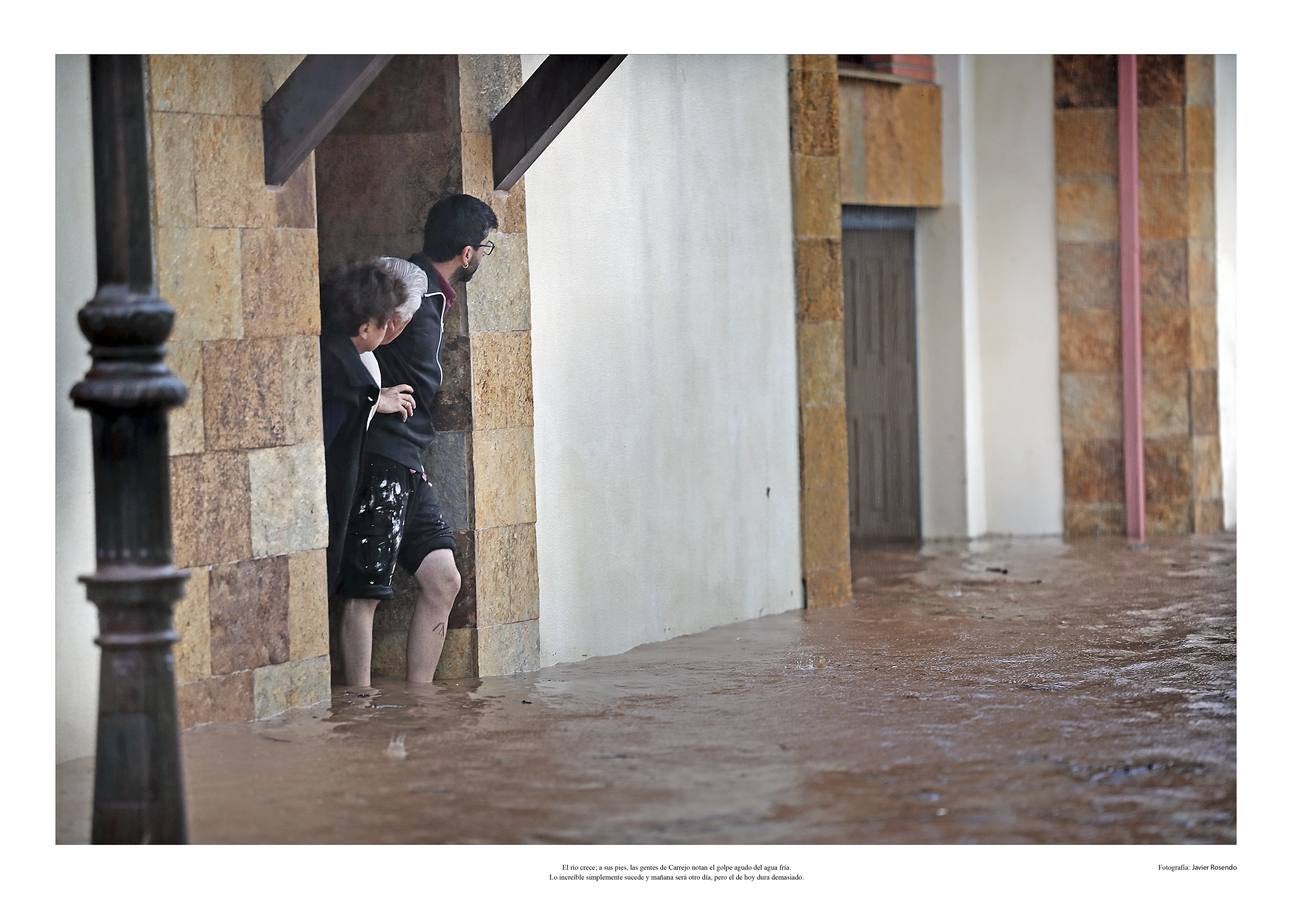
543	106
309	105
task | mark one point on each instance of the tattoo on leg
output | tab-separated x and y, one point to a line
439	629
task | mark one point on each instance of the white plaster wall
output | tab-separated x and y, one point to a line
1227	278
76	657
946	295
665	401
1018	305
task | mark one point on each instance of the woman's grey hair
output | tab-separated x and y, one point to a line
411	280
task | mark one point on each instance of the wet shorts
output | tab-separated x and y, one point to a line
394	517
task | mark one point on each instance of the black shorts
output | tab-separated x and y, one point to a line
394	517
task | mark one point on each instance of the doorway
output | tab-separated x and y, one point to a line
880	374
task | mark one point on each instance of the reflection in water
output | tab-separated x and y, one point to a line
1005	691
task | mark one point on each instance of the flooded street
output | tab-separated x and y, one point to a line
995	692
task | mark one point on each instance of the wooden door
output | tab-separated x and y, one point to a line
880	361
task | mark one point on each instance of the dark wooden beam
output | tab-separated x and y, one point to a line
309	105
543	106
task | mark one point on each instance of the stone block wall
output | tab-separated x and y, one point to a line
239	263
819	320
1178	294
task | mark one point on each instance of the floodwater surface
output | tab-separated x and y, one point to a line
1004	692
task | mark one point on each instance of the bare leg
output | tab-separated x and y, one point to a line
357	641
438	583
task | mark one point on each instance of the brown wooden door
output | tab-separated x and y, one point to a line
880	361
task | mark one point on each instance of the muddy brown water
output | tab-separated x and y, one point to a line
1085	694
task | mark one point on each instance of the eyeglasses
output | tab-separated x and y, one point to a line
486	248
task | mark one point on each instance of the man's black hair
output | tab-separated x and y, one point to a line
357	294
454	222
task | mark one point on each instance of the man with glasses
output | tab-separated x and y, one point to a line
396	516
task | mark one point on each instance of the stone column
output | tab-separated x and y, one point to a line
502	404
819	320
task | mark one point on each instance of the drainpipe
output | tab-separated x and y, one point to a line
1133	437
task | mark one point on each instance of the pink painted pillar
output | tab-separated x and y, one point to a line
1133	436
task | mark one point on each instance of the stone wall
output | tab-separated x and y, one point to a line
239	263
819	319
1178	294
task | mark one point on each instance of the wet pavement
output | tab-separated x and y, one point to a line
1002	692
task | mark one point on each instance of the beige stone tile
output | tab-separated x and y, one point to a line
1209	516
485	84
501	380
1160	80
1088	275
1086	141
193	624
290	685
816	184
1200	137
227	698
294	203
1203	337
1168	517
903	146
458	659
1207	467
207	83
498	297
307	604
1200	89
248	602
244	402
477	164
209	508
829	587
1094	519
184	358
1202	206
199	272
819	280
1166	403
825	443
1165	338
173	164
1085	81
1202	272
1164	207
503	461
1090	340
280	282
1090	406
229	168
1093	471
1086	209
509	206
289	513
303	401
1163	271
814	112
813	62
507	649
1168	477
824	520
507	575
1204	414
1161	140
273	69
821	363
